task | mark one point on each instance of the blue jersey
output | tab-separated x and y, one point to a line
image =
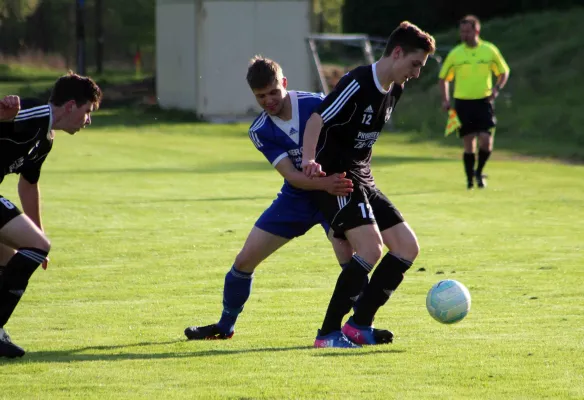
294	211
278	139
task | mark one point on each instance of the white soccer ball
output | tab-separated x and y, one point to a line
448	301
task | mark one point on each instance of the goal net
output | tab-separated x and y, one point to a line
335	54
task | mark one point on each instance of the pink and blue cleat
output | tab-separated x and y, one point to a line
365	335
334	339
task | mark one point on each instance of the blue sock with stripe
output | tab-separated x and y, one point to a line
235	293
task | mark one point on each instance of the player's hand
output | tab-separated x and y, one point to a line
311	168
45	263
338	184
445	105
9	107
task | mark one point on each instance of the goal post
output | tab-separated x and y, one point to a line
356	40
342	56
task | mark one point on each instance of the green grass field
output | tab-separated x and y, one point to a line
145	221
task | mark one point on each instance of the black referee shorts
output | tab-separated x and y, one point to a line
475	116
364	206
8	211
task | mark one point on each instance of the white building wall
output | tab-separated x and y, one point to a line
221	36
175	54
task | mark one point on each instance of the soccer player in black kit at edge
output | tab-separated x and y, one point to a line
26	138
345	127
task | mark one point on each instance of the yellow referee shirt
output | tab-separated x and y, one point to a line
472	68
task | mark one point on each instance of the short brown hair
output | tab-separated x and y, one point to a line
263	72
82	89
410	38
472	20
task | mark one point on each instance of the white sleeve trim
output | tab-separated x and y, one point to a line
340	102
279	158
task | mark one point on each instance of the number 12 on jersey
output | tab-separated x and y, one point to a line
366	210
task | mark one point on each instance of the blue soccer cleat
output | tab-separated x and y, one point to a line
334	339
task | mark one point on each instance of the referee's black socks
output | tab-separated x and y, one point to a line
469	163
483	157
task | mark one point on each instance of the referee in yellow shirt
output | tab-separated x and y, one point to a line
471	64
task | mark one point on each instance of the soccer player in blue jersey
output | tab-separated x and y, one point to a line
277	132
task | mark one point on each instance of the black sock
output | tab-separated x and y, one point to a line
483	157
15	277
347	289
384	281
469	162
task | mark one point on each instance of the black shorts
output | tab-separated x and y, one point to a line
8	211
365	205
475	116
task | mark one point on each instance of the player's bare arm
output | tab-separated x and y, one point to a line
311	133
9	107
335	184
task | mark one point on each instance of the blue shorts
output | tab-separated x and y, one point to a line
291	214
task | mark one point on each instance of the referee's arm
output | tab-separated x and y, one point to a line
501	70
445	76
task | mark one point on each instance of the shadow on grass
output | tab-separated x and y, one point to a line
350	353
79	355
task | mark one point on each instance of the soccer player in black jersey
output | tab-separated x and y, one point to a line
25	141
338	138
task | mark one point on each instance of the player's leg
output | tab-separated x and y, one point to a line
401	240
25	248
288	217
355	217
366	241
341	246
258	246
344	252
238	281
389	273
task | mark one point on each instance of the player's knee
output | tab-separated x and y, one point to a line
371	252
42	243
343	250
245	262
407	249
410	249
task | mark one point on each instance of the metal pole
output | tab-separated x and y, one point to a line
99	36
80	36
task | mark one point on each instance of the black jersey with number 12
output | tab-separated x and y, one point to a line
354	114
